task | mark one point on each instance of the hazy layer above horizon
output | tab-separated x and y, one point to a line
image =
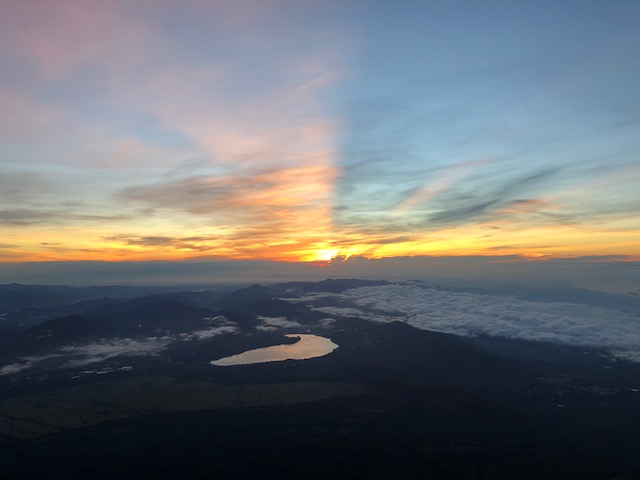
495	273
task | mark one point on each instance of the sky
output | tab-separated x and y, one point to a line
288	131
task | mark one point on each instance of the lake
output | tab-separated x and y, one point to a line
309	346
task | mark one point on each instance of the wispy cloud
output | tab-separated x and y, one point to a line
73	356
247	212
448	178
54	217
511	191
201	243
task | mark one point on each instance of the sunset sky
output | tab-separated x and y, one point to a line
305	130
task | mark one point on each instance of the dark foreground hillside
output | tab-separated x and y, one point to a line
390	402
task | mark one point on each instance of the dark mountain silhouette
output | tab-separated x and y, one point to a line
197	300
329	285
15	297
69	326
245	295
28	317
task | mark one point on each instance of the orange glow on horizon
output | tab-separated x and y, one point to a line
297	245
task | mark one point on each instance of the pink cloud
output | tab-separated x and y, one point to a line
22	117
57	36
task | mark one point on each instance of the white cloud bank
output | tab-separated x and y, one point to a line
80	355
220	325
270	324
210	332
98	352
472	314
14	368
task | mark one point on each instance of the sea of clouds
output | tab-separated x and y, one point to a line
470	314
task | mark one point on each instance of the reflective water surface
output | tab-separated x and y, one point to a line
309	346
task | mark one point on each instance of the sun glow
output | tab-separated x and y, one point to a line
323	255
